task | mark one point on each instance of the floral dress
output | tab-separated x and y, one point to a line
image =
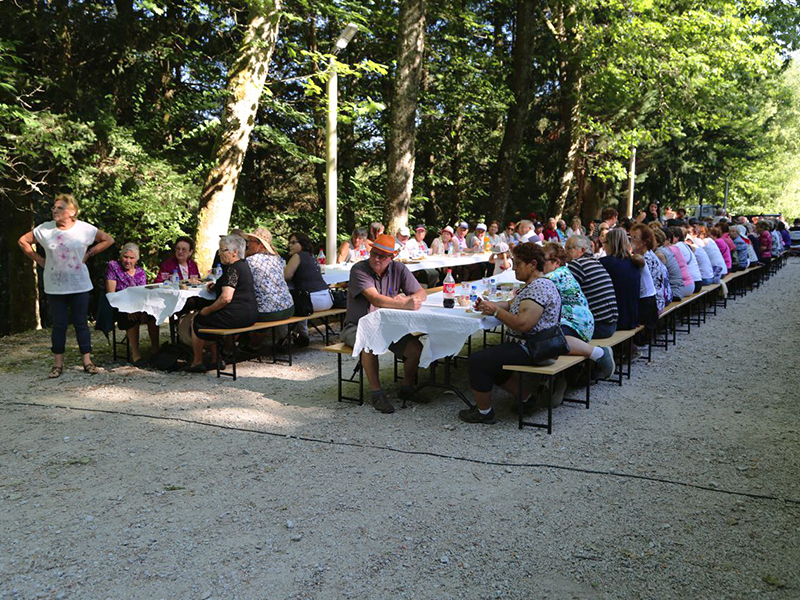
272	293
660	279
575	312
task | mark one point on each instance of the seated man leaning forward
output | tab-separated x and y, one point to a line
380	282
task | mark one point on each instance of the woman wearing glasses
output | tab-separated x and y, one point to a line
303	275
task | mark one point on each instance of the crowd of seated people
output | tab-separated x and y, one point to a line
614	274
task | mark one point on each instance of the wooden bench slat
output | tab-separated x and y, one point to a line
562	364
260	325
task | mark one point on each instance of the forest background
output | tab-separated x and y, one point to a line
448	110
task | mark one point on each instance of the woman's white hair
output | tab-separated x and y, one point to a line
130	247
233	242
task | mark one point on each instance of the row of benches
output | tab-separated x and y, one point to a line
677	317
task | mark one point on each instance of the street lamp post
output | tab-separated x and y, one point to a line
331	143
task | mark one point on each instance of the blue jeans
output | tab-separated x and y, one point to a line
60	305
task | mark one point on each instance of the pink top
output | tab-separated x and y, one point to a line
766	244
171	264
725	251
726	237
687	278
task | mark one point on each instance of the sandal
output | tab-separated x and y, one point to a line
91	369
55	372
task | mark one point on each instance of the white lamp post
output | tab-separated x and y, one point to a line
331	140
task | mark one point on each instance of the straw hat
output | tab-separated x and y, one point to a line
263	235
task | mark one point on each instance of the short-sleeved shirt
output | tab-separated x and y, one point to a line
64	249
575	311
272	293
242	308
396	280
597	287
545	293
116	273
691	261
660	275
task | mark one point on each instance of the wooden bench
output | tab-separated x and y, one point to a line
340	350
620	337
221	334
549	373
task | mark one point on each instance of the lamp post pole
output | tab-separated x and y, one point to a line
331	180
331	144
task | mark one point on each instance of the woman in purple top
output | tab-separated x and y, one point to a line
179	262
123	274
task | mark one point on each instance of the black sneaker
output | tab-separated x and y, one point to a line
381	402
473	415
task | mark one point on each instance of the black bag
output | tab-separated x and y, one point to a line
302	303
546	344
172	357
339	298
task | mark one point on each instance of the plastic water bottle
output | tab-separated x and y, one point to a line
217	271
473	295
449	290
175	279
492	287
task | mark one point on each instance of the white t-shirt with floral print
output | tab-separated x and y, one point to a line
64	249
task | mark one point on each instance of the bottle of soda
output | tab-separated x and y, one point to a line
321	261
487	243
449	290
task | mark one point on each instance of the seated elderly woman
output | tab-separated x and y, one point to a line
595	283
180	262
273	299
577	321
355	249
121	275
535	308
235	305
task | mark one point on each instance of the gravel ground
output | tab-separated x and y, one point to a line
136	484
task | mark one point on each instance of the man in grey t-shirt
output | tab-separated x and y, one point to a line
380	282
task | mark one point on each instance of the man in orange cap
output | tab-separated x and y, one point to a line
380	282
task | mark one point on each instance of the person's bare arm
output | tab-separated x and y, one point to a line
111	286
529	313
291	267
343	250
225	297
103	241
401	302
25	244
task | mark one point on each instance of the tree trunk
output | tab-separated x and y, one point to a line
505	167
402	126
571	120
247	77
23	288
567	36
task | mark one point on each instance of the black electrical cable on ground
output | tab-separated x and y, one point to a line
417	452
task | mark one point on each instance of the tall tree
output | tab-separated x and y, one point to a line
522	65
402	128
246	83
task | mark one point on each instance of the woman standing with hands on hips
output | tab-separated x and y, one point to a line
66	242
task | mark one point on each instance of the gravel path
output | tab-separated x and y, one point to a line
135	484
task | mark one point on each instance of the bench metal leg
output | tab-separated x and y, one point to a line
341	380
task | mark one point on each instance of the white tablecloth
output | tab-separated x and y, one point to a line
161	302
446	329
341	272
